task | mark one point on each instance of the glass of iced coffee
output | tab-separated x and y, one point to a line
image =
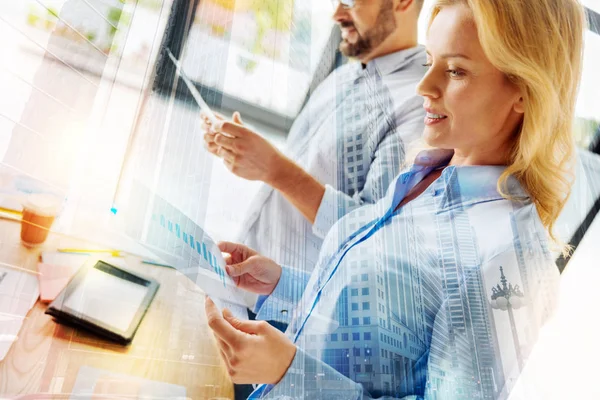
39	212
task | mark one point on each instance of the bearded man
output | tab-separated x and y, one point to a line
346	145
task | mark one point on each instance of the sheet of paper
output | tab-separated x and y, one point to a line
183	244
195	93
19	291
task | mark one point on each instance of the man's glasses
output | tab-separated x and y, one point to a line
344	3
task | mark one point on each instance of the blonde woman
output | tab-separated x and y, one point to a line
438	290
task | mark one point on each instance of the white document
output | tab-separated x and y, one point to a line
19	290
195	93
183	244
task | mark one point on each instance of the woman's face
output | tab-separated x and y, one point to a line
471	106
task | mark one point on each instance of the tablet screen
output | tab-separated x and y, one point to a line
107	298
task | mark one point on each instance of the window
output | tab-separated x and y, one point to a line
356	367
355	336
338	359
368	368
354	306
365	291
259	54
356	351
588	103
355	321
368	352
364	277
354	292
367	335
366	320
344	337
334	337
355	279
366	305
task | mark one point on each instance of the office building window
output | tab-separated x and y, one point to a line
354	306
356	367
338	359
366	305
355	336
366	320
334	337
356	351
355	321
354	292
344	337
364	277
368	368
365	291
368	352
354	278
367	335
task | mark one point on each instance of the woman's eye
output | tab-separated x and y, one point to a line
427	65
455	73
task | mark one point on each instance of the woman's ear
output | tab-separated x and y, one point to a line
519	105
403	5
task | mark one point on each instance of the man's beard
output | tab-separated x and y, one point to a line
384	26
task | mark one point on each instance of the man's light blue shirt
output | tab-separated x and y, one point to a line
351	137
401	303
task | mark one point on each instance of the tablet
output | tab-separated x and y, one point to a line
105	300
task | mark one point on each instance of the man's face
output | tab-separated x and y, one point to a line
364	26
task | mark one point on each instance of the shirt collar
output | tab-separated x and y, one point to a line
390	63
460	185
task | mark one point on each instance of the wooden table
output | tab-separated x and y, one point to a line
172	345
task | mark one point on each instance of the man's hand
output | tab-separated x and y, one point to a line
245	153
252	157
209	133
249	270
253	351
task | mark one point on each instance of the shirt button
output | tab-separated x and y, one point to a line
284	312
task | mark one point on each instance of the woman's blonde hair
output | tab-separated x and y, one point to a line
538	44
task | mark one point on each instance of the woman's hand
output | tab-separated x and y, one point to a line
249	270
253	351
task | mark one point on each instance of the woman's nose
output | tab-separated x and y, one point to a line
428	86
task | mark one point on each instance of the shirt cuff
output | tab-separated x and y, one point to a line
334	205
278	305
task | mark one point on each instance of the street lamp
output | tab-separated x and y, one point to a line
506	298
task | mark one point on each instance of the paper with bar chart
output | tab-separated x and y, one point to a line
180	242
